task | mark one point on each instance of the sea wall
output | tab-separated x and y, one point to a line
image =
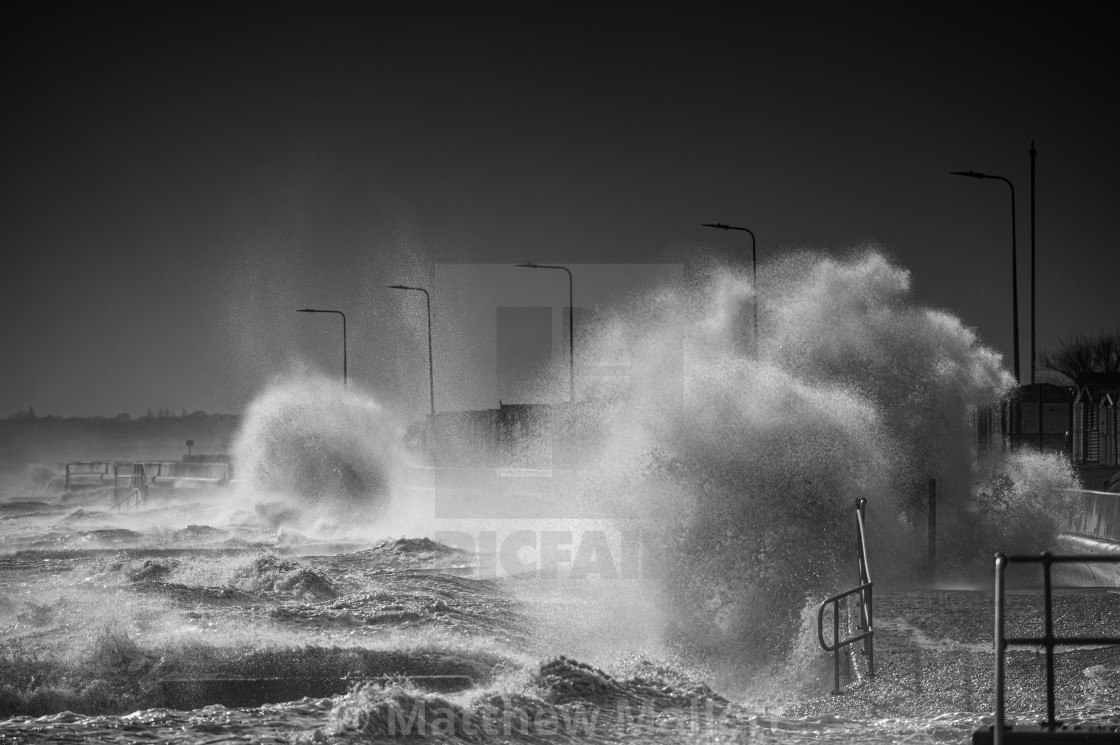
1092	528
1096	514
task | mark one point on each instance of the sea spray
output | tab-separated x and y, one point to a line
741	456
311	449
747	455
744	478
854	323
1020	502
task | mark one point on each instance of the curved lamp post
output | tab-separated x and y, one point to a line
571	327
754	268
339	312
1014	270
431	364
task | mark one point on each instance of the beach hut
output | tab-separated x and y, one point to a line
1106	428
1086	436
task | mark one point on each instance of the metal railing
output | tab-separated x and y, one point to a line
864	598
136	489
101	470
134	498
1048	640
173	473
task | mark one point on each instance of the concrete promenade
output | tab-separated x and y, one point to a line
933	655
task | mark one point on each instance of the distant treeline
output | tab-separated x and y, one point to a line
28	438
29	413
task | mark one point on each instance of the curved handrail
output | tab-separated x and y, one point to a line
835	600
864	591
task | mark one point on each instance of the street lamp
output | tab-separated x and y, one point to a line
1033	153
339	312
571	327
431	365
1014	271
754	269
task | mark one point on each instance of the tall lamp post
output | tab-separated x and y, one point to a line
1033	153
1038	390
339	312
1014	271
571	327
431	364
754	268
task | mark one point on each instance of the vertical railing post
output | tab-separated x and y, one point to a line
997	725
865	600
864	572
861	565
836	642
859	547
869	642
1049	636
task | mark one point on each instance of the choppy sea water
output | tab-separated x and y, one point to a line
128	627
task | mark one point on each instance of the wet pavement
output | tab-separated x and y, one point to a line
934	658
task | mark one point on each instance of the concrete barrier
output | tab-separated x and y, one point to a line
1096	514
1093	528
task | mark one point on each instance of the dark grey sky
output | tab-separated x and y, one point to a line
178	179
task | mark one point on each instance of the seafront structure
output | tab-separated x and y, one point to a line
1082	420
